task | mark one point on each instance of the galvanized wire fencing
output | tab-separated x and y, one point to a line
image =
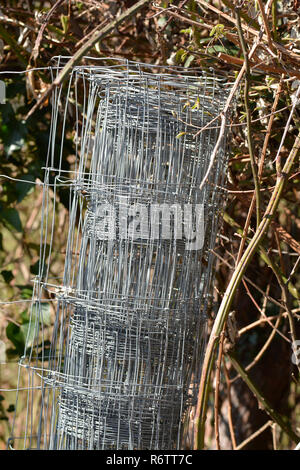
122	366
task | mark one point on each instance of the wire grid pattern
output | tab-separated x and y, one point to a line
122	367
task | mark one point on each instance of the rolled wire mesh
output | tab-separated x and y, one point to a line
122	368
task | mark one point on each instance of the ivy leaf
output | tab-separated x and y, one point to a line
26	291
22	189
13	132
41	312
16	336
7	276
29	331
34	268
15	139
11	219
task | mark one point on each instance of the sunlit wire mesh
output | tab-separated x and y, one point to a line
121	367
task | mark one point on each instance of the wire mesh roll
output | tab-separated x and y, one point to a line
131	314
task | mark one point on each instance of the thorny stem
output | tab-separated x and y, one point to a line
286	303
261	291
266	25
254	435
269	128
263	320
274	19
266	344
218	375
35	50
265	257
276	417
13	44
248	115
223	116
260	168
229	294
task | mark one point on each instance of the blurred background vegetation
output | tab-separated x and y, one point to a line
189	33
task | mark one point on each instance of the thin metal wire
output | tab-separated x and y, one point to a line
121	370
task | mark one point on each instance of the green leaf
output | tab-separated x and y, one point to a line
180	134
204	40
34	268
15	87
26	333
29	332
65	23
13	132
9	194
217	48
180	56
11	219
217	31
23	189
16	336
7	276
24	316
197	104
188	31
41	312
26	291
188	61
